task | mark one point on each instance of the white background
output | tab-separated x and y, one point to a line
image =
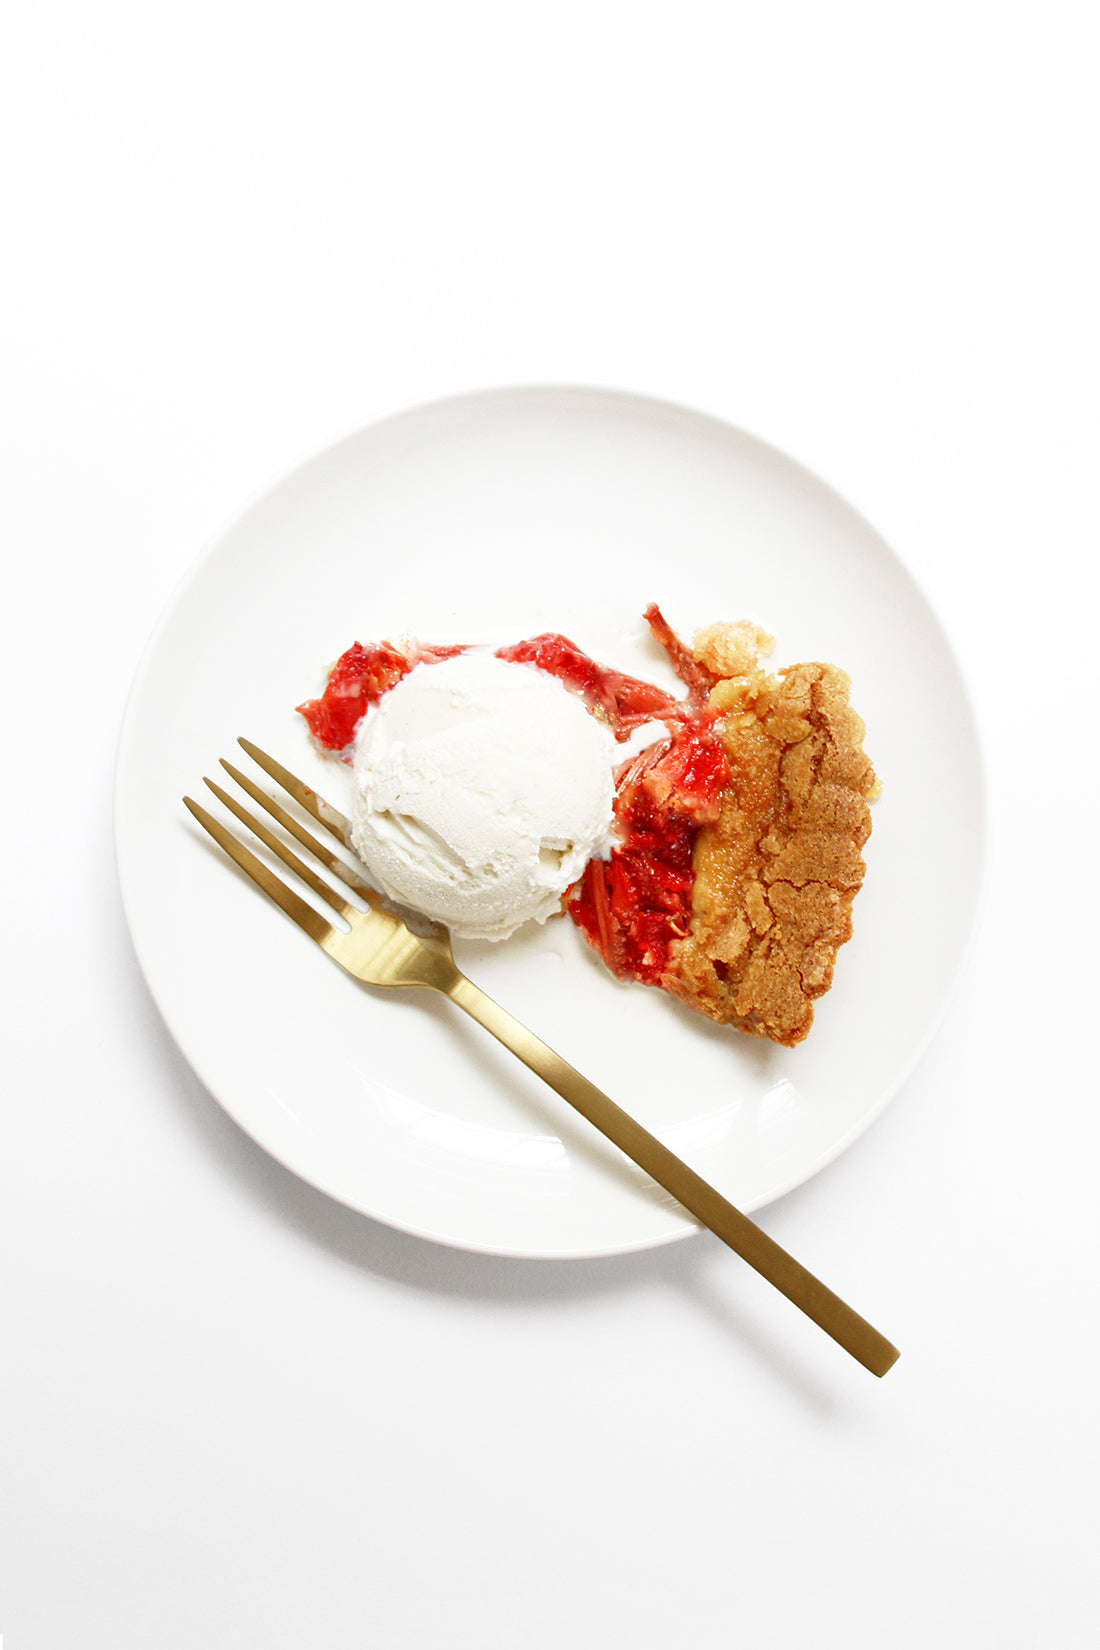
235	1414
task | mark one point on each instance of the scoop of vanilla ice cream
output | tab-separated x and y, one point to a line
482	788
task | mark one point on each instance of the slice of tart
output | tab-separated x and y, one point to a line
739	833
741	840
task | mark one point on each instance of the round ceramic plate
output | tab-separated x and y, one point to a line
492	517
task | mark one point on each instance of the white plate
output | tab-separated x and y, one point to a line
495	516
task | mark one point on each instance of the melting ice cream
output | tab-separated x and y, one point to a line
482	789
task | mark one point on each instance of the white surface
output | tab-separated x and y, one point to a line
386	1103
234	1413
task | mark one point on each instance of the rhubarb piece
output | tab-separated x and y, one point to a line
633	907
358	679
624	702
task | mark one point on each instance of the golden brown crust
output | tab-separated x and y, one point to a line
777	871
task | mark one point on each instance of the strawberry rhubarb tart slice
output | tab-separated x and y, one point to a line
735	850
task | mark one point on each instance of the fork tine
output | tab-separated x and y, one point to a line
335	864
323	812
296	909
324	890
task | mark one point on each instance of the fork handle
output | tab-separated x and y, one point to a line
808	1293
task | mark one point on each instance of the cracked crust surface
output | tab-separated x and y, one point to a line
776	873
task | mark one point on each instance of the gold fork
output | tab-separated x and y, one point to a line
379	949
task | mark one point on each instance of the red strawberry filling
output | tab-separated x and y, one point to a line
624	702
632	907
357	680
